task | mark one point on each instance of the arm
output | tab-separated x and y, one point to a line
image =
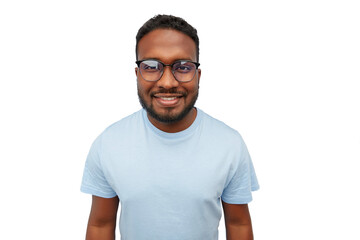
102	220
237	222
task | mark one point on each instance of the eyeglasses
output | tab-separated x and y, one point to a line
152	70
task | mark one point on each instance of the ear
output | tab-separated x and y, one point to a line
136	71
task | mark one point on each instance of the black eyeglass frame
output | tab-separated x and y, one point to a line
169	65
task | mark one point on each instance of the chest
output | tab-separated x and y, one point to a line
196	174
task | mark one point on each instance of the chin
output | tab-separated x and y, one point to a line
168	116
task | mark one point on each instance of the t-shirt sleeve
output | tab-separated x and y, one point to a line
242	180
94	181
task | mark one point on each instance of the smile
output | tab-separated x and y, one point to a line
167	101
168	98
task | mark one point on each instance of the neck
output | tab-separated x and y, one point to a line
176	126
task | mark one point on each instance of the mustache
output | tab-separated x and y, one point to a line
168	91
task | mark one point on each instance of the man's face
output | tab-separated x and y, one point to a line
167	100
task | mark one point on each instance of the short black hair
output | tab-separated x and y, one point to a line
167	22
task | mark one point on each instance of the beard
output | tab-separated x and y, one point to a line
168	117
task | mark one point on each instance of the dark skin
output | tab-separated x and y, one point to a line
167	46
102	219
237	221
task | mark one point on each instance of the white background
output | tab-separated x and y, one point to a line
285	74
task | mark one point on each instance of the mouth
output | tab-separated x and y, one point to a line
168	100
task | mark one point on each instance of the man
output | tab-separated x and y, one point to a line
169	164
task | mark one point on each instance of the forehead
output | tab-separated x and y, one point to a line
166	45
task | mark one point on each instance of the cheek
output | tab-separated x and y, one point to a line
144	88
193	88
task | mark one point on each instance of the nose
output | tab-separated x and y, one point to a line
167	80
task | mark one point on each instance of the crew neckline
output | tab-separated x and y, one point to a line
188	131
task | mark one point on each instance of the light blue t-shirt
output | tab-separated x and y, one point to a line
170	184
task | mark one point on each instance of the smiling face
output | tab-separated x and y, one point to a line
167	101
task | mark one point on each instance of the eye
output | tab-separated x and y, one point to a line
184	67
150	66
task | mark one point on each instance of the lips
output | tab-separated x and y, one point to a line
167	100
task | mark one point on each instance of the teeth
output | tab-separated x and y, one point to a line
168	98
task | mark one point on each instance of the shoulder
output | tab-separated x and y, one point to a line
220	130
123	127
125	122
218	127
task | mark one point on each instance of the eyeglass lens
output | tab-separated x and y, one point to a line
152	70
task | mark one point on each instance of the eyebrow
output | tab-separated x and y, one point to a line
176	60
